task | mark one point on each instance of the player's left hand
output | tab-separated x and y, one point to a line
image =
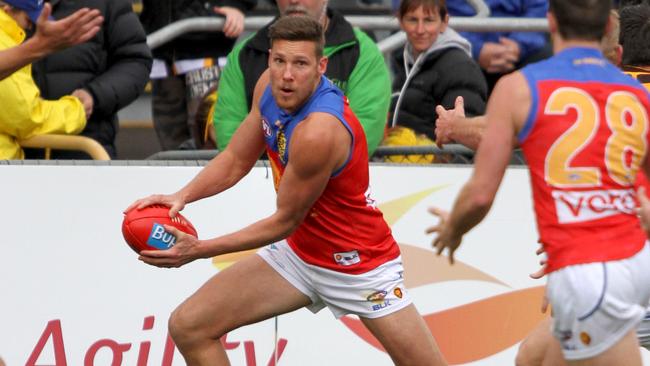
184	251
445	238
234	24
541	272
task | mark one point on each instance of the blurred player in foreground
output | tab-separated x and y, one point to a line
325	245
583	127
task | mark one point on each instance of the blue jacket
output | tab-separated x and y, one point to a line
529	42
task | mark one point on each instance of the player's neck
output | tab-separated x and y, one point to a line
560	44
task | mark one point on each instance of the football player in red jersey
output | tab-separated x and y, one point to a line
325	245
583	127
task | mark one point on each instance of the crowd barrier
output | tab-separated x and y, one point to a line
73	293
453	153
375	22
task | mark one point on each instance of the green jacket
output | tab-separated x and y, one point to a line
355	65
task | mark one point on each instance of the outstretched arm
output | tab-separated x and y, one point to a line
492	157
319	146
51	36
226	169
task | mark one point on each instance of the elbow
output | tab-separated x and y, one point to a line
481	198
482	202
291	224
288	223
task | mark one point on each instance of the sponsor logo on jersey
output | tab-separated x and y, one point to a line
580	206
282	145
585	338
266	127
159	238
398	292
370	202
347	258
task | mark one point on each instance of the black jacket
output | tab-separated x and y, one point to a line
445	72
158	13
113	66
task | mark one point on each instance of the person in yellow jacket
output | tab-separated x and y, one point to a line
23	113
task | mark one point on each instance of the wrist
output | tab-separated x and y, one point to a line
36	48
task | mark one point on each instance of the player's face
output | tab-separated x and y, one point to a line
295	72
312	8
422	27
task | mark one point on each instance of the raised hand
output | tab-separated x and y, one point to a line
74	29
446	121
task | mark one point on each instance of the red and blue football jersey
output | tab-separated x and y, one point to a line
343	231
585	139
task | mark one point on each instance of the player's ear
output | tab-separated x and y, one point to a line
552	22
322	65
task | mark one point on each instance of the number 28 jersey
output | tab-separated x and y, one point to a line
585	139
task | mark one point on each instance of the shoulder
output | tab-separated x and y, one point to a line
320	134
245	43
113	8
514	84
454	63
366	44
513	92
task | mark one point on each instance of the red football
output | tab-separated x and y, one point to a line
143	229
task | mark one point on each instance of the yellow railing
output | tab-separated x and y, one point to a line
66	142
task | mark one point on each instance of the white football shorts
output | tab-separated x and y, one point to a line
596	304
373	294
643	331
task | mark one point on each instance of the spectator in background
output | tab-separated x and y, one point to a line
107	73
435	67
24	112
499	53
355	65
188	66
635	41
453	126
50	36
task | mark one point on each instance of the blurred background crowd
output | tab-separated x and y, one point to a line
136	98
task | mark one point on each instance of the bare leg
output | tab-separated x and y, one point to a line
247	292
624	353
406	338
540	348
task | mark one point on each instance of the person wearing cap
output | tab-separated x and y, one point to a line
25	113
51	36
